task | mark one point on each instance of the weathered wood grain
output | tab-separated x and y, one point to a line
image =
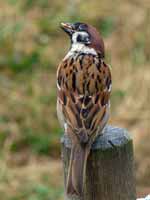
110	167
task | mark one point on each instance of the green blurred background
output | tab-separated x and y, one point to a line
31	46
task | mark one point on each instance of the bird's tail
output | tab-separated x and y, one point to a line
77	170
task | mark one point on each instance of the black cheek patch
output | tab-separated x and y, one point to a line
79	38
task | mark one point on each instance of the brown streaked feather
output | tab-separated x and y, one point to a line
77	168
84	92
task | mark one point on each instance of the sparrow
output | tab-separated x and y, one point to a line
83	97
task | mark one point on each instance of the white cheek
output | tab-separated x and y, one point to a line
79	47
74	37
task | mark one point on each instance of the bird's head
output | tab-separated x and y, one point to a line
81	33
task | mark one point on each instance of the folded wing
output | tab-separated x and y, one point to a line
84	86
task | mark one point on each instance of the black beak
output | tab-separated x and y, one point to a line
68	28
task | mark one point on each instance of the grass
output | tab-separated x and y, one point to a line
23	183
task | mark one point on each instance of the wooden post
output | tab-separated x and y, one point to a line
110	171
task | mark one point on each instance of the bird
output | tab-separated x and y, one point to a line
83	97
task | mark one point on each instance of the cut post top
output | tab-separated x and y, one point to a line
111	136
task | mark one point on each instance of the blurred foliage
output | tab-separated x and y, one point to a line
106	25
39	192
31	182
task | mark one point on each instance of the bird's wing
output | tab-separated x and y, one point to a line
84	86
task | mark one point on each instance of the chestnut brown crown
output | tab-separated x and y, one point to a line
85	34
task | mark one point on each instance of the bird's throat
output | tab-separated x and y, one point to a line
80	48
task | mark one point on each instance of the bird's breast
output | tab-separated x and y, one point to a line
82	73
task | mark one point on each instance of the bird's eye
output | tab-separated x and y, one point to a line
82	27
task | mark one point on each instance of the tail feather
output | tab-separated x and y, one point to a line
77	169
